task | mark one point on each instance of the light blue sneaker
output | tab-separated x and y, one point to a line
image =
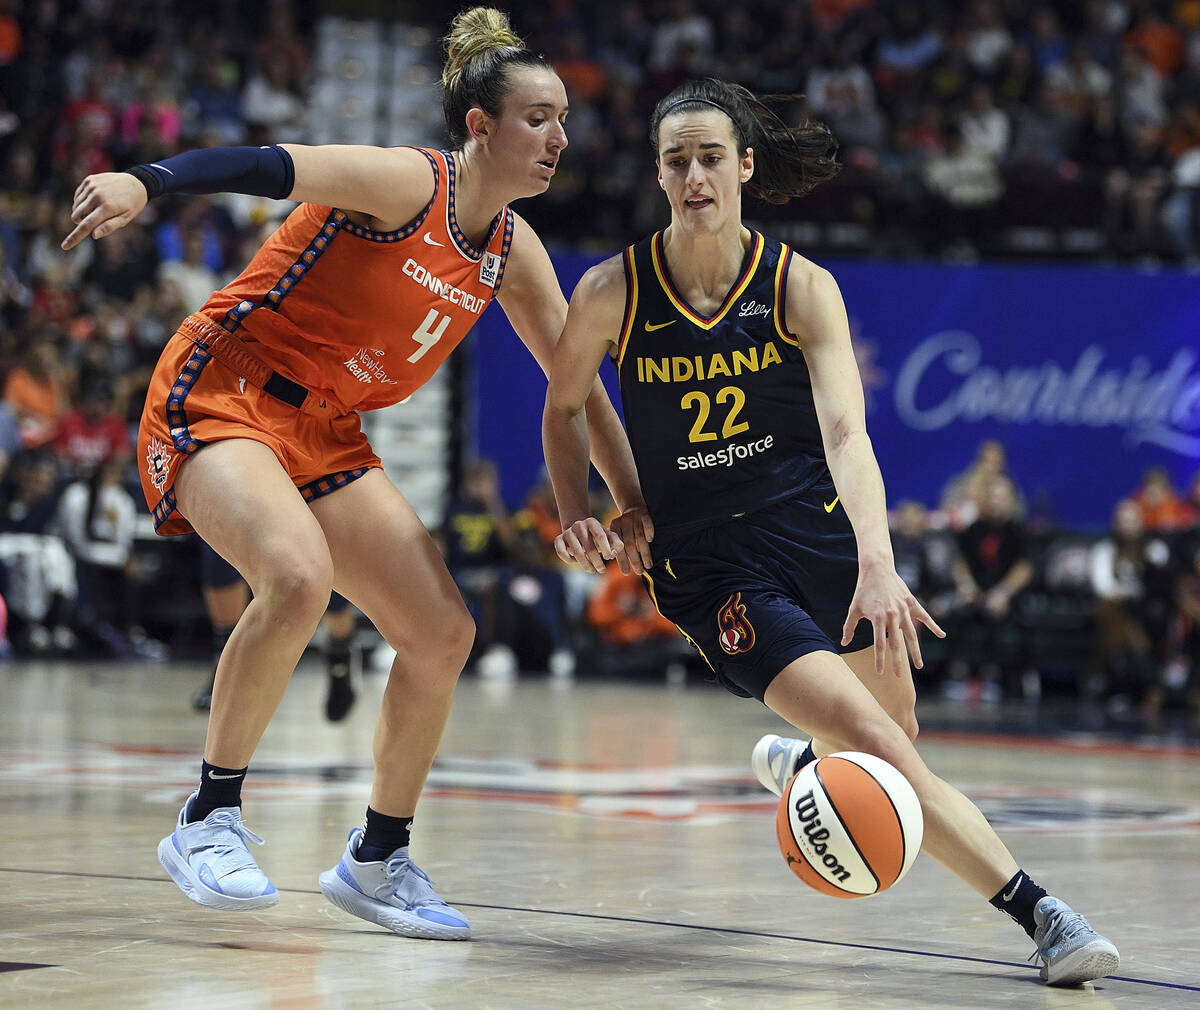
211	862
1069	949
394	893
774	761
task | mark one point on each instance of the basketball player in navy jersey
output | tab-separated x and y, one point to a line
744	409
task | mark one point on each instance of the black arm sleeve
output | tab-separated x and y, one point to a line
258	171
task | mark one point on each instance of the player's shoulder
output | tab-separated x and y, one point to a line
810	276
604	281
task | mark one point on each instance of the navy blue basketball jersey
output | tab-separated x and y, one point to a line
718	409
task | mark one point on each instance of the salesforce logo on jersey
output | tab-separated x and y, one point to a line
945	380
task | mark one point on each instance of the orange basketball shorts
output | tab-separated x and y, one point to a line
195	399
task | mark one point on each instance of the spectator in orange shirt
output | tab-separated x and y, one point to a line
36	390
1162	508
623	614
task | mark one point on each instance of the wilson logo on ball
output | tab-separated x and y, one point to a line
737	633
849	825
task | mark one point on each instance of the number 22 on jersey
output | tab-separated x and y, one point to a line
700	400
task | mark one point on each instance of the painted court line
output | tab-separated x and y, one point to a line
657	922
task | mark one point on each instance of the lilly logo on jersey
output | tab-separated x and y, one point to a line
752	308
737	633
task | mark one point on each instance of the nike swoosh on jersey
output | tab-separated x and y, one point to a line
429	240
829	506
651	327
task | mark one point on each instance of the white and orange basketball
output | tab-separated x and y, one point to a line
849	825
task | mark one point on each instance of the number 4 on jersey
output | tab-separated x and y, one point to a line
428	333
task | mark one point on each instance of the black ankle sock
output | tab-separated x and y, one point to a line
219	787
807	756
1018	898
382	836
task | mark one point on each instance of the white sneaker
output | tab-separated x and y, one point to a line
394	893
774	761
561	664
211	862
1070	950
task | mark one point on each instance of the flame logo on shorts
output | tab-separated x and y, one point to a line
737	633
158	462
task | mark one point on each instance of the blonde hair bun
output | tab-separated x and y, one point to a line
472	33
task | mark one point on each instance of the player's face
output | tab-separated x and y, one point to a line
530	135
701	171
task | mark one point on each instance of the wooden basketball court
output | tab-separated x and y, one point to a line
608	842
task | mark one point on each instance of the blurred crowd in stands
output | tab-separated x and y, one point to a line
952	118
958	121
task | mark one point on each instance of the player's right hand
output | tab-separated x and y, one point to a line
589	544
103	203
635	528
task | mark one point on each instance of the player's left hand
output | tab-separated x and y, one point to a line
882	598
636	531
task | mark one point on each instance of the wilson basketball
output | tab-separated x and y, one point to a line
849	825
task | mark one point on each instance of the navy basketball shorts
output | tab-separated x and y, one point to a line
756	592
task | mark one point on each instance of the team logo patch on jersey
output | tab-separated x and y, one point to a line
158	462
489	269
736	632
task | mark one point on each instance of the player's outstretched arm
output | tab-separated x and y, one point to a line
592	327
389	184
818	316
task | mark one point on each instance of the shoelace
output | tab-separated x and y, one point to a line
396	867
232	822
1059	927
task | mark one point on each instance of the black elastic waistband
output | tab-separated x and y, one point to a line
283	388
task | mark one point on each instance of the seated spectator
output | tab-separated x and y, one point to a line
480	545
964	186
195	279
622	613
36	392
1130	577
963	498
38	571
994	566
1181	671
93	433
95	517
1162	508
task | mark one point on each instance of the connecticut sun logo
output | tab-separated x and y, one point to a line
158	462
737	633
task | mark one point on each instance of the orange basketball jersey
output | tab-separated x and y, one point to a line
363	318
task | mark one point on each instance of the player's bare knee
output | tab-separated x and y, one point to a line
297	588
441	649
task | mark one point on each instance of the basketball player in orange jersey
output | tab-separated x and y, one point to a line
251	434
744	408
